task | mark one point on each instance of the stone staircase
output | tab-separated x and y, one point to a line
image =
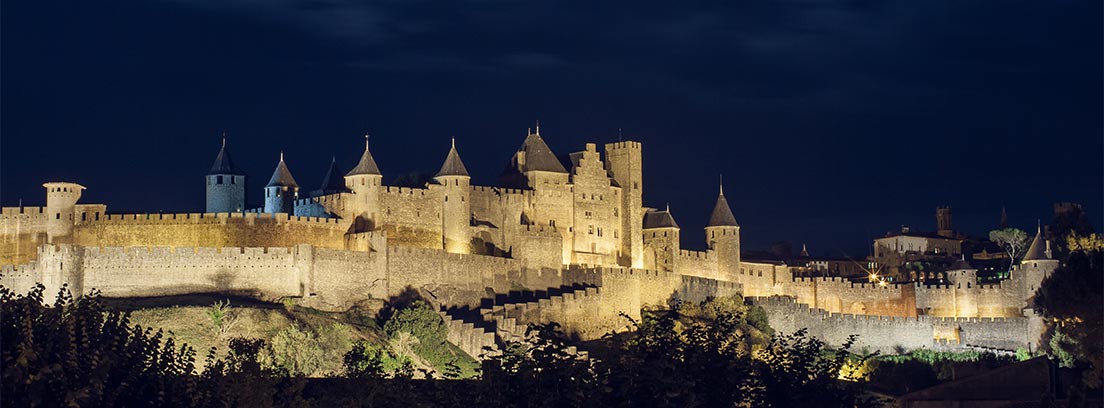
506	318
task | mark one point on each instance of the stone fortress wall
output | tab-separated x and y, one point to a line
887	333
581	228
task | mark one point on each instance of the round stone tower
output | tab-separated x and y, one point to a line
365	182
1037	264
225	184
722	234
61	201
456	203
281	191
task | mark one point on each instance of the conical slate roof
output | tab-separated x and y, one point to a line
453	166
282	176
538	156
659	219
223	164
332	182
1038	249
722	214
367	164
961	265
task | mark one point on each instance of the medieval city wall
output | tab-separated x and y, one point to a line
211	230
760	279
266	273
883	333
23	229
840	295
875	333
1004	333
696	289
1003	299
461	279
697	263
325	206
412	216
537	247
337	279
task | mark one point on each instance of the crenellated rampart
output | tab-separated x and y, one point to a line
211	230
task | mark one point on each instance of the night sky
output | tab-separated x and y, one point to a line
832	121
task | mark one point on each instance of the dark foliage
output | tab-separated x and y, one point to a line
1072	299
79	353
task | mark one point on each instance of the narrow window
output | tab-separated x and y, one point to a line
233	180
218	179
58	217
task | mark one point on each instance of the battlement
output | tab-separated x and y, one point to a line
410	191
166	252
417	252
27	270
842	282
498	190
547	193
328	198
703	255
15	212
789	305
623	145
216	218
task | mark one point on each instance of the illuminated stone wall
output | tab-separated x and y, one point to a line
211	230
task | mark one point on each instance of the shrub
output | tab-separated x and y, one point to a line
370	360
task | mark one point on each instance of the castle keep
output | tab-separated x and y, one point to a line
572	230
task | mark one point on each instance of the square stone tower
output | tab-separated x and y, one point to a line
624	160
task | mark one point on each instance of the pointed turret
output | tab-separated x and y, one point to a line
722	235
1037	264
281	191
1039	249
366	165
332	182
722	213
282	176
223	164
454	184
453	166
365	182
225	184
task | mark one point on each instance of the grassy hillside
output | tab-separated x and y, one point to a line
304	341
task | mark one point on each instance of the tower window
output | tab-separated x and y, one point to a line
58	216
233	180
218	179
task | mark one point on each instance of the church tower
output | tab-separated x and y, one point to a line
624	160
365	182
456	206
722	234
281	191
225	184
